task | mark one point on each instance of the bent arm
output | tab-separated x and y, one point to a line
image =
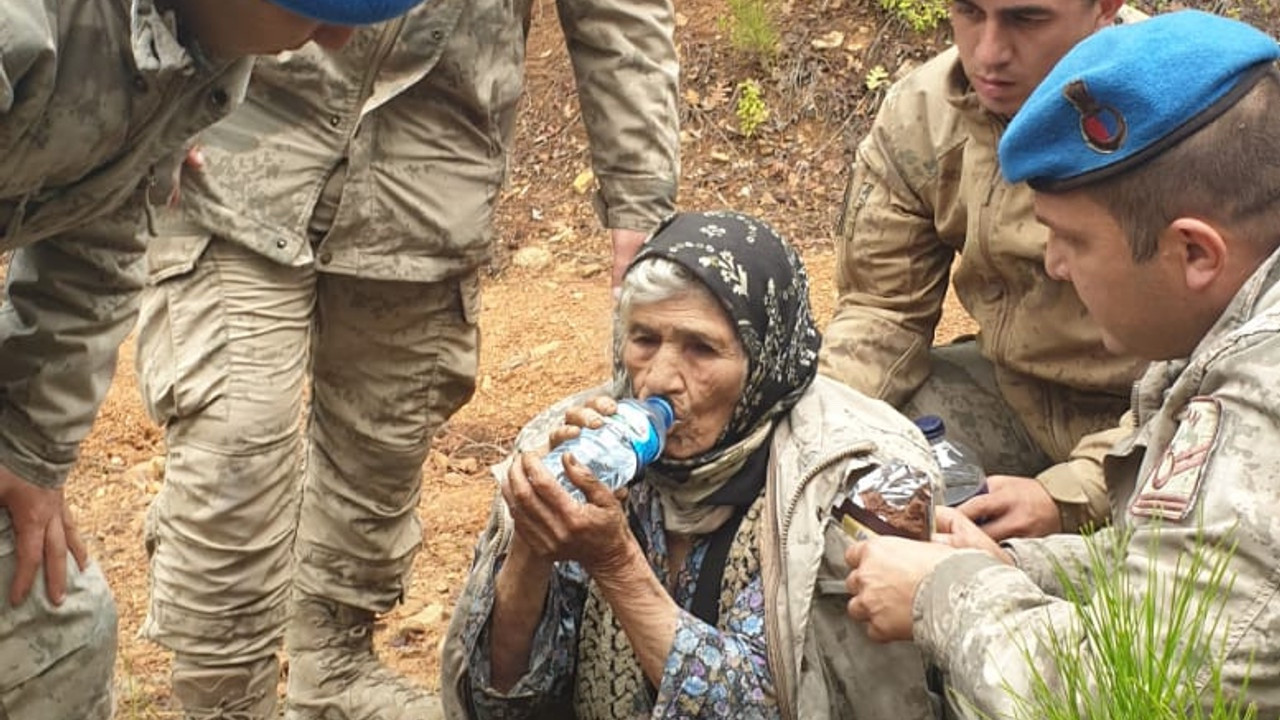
519	599
892	266
1077	485
625	64
521	630
70	301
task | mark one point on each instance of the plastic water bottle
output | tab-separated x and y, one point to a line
616	451
962	473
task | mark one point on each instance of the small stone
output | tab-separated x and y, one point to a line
532	258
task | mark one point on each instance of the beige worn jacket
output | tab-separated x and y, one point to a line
416	116
93	94
823	664
925	190
1204	458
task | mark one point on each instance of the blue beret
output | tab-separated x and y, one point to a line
349	12
1127	93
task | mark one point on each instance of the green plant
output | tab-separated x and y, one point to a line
750	108
752	28
921	15
877	77
1151	644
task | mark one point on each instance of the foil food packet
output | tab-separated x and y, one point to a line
891	499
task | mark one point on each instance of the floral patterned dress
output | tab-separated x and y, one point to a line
711	671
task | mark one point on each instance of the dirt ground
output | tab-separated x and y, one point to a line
546	297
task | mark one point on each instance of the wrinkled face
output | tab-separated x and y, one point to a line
1137	305
1008	46
235	28
686	349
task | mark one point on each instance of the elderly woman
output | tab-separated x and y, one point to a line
714	586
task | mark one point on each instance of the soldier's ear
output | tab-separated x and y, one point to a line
1201	250
1107	10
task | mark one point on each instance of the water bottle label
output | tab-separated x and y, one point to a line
646	442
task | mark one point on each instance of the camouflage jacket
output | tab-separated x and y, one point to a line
418	114
823	666
925	188
93	94
1204	457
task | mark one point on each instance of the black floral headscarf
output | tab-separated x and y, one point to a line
761	283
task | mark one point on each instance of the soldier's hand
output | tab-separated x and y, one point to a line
958	531
885	574
44	532
1014	507
626	243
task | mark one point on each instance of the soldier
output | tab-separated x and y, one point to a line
1160	192
333	237
1036	392
94	94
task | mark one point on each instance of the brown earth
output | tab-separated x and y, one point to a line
546	297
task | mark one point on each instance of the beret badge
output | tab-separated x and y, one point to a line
1102	126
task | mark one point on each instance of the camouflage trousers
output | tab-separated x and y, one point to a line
964	390
233	350
56	661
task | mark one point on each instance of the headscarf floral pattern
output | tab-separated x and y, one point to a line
760	281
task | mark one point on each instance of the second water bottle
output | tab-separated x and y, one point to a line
962	472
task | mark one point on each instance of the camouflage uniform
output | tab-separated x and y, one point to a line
334	235
1204	456
1037	394
71	206
823	666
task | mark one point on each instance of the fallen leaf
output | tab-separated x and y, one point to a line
833	39
583	182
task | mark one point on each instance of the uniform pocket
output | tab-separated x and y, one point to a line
469	298
181	331
172	256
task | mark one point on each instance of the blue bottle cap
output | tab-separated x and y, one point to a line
932	426
648	449
661	408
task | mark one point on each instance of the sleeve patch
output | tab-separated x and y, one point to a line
1173	484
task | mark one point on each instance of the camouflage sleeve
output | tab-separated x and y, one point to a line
891	266
982	621
624	60
71	300
1049	560
1078	486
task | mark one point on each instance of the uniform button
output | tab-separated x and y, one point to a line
334	121
139	83
218	98
281	244
326	258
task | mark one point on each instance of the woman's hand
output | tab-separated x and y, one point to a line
553	526
591	415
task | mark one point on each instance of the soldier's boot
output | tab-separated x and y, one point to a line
236	692
334	674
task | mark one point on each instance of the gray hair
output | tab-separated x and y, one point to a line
654	280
